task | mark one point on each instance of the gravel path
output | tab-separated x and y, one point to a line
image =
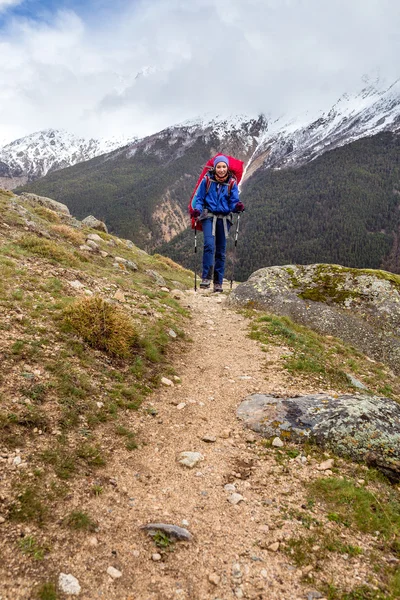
229	556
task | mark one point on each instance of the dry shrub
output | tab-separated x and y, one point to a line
69	233
103	326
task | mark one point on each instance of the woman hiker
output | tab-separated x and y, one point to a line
215	200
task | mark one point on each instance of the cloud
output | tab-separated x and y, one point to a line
147	65
4	4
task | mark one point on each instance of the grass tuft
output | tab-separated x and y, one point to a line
79	520
47	591
102	326
358	507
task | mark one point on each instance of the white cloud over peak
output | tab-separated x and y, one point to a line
273	56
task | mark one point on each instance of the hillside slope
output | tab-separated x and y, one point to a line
90	435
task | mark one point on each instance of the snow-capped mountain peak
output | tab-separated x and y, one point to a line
293	142
34	155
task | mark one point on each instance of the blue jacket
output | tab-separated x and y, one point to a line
216	200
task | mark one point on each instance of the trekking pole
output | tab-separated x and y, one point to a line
234	251
195	258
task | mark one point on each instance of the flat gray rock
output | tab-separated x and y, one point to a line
174	531
363	428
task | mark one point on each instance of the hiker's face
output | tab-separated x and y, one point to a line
221	169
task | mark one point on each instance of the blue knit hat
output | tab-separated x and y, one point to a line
221	158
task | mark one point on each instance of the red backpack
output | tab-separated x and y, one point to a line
235	168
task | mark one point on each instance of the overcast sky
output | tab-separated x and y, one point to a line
76	64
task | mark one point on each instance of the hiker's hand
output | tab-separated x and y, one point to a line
196	213
239	207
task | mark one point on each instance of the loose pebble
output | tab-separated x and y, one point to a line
167	382
235	499
277	442
190	459
230	487
214	578
69	584
274	547
114	573
156	557
210	439
93	541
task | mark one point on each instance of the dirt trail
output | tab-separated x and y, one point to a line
230	544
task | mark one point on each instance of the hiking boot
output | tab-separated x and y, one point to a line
205	283
218	288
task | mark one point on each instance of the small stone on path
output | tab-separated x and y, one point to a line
2	520
172	333
314	595
167	382
190	459
114	573
235	498
230	487
69	584
181	405
178	533
274	547
156	557
210	439
214	578
277	442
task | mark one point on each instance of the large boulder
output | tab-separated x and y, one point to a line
47	202
363	428
359	306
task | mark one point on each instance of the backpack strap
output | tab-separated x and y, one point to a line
230	185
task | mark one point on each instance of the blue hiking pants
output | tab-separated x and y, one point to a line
214	245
